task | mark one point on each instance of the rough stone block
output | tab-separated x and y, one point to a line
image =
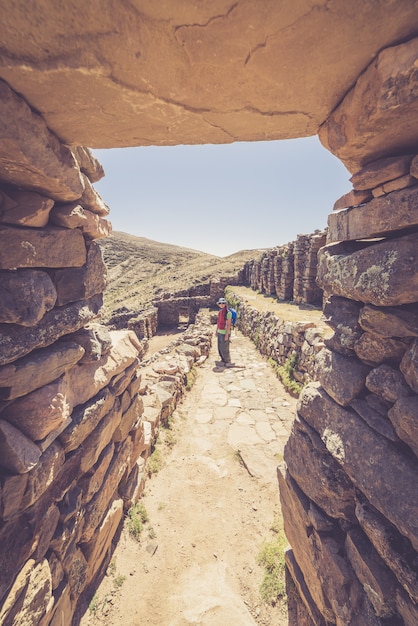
38	369
381	171
75	216
40	412
392	547
376	578
382	216
349	440
100	438
409	365
352	198
28	599
91	200
95	550
371	349
381	424
96	509
387	382
16	341
342	377
26	295
24	208
85	418
81	283
403	416
383	274
47	247
307	458
390	321
31	156
88	163
18	454
367	126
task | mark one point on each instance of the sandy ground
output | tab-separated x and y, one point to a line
211	506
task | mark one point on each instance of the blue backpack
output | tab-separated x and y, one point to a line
234	316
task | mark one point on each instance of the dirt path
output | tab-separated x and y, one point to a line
211	506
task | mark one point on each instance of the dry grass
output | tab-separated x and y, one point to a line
290	311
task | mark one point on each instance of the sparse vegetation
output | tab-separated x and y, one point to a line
271	557
191	377
137	517
285	373
155	461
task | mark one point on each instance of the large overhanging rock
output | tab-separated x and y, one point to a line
368	124
106	74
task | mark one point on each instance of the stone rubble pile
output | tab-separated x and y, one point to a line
348	486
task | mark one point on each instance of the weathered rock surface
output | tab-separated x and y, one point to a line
403	416
233	63
18	453
390	322
81	283
383	274
381	171
343	389
306	457
366	125
348	439
30	154
26	296
75	216
37	369
17	341
390	213
24	208
49	247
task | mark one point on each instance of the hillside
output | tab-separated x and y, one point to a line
140	269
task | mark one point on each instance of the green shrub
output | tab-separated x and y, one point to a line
285	373
137	517
271	557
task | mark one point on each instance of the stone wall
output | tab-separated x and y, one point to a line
79	411
288	271
280	339
348	486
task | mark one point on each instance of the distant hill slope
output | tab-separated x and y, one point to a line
140	269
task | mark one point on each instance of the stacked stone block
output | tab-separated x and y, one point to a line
289	271
348	486
280	339
77	415
305	288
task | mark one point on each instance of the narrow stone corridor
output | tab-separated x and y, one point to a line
211	506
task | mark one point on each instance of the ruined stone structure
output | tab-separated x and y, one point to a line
73	433
289	271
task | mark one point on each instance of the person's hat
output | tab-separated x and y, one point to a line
221	301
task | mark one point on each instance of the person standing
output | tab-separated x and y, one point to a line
223	331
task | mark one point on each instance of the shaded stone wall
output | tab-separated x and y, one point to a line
288	271
78	411
348	486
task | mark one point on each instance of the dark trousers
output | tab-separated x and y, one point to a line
223	348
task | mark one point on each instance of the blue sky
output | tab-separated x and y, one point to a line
222	198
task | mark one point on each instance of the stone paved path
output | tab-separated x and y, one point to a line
211	506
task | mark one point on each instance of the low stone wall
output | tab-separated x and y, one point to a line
280	339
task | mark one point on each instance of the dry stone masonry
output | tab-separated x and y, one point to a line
349	482
79	411
289	271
